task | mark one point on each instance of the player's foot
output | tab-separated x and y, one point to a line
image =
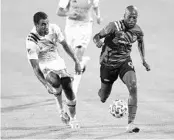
83	63
131	128
64	117
74	124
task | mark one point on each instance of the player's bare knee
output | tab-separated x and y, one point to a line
103	94
58	91
53	79
132	87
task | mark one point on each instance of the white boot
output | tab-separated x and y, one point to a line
132	128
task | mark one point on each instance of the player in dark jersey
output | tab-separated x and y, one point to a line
115	59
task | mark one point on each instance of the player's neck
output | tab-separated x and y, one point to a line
39	33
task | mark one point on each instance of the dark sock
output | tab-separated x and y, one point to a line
132	109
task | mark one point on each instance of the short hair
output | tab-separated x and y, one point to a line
38	16
131	9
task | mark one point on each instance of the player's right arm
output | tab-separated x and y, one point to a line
97	10
109	29
33	59
63	9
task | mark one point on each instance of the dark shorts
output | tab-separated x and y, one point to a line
109	75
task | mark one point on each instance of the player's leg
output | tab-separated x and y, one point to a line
71	100
107	76
104	91
79	51
77	77
54	80
82	38
128	76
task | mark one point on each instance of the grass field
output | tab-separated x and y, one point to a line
29	112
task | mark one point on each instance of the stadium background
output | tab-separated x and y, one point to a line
29	112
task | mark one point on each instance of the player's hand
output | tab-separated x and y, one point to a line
146	65
99	44
99	20
78	68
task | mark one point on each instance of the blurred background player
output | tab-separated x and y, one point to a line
78	28
42	50
116	61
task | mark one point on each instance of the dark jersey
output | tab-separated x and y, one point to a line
118	42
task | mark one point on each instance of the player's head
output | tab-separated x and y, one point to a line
41	22
130	16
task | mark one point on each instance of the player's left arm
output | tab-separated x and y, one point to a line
67	48
97	10
141	48
71	53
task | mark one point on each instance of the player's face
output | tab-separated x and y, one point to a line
130	19
43	27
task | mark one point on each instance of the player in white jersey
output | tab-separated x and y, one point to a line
78	28
42	49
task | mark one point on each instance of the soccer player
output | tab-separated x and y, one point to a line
78	28
42	45
115	59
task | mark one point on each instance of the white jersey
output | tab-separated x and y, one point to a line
44	48
82	7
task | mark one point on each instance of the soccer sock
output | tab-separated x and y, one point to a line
76	83
132	109
77	78
85	60
72	111
59	104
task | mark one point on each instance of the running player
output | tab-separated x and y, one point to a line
78	28
116	61
42	49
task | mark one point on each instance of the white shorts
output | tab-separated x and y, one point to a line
78	33
56	66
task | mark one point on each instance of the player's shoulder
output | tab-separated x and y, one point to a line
32	36
137	29
118	24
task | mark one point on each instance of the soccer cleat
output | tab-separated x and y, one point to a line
74	124
131	128
64	117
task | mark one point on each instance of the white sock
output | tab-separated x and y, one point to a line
59	103
84	61
77	78
76	83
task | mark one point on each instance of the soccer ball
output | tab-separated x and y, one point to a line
118	108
